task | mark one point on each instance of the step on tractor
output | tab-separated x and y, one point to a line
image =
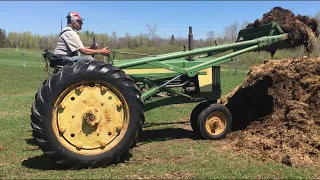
90	113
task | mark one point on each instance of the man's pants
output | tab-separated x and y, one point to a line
59	61
79	58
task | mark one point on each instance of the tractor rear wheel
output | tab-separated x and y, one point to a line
89	113
195	114
215	122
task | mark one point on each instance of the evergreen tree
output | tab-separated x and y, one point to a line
2	38
172	40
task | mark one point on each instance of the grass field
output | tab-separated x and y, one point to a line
167	149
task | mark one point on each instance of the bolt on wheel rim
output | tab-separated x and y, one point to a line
90	118
216	123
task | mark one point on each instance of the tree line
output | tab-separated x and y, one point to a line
29	40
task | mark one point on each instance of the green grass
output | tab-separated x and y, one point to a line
167	148
22	57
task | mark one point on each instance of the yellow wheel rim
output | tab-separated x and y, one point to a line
216	123
90	118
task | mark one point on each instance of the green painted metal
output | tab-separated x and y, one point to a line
261	42
167	66
150	75
182	54
180	63
150	93
250	39
155	89
193	71
270	29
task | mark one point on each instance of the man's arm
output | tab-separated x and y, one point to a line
88	51
74	43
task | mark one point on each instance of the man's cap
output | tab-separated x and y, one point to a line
74	16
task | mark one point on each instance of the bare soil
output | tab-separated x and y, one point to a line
276	112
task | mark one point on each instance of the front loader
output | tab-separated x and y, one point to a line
89	113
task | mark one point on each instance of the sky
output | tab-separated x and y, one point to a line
171	17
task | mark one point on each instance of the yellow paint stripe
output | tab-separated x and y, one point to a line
205	81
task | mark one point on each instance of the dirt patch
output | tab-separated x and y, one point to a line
276	111
302	30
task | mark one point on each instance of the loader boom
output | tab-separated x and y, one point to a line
178	63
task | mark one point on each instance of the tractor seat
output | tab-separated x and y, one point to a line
55	60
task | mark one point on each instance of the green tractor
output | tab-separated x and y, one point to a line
90	113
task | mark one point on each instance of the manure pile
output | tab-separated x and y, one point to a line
276	112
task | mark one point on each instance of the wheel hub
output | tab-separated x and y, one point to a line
215	123
92	116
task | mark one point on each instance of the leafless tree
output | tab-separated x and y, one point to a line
152	29
128	40
210	37
231	31
114	40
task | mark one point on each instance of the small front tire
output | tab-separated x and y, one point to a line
215	122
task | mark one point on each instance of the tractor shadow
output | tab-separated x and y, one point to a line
31	141
45	162
170	133
42	162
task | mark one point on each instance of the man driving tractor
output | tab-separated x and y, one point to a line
69	44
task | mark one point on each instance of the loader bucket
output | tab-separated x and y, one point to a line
269	29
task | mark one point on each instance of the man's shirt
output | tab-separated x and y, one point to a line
68	42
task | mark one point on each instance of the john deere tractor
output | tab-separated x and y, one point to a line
89	113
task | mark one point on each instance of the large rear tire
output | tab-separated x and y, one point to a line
89	113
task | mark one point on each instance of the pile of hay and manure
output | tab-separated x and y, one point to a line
276	112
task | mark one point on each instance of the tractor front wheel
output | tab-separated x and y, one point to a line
86	114
195	114
215	122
